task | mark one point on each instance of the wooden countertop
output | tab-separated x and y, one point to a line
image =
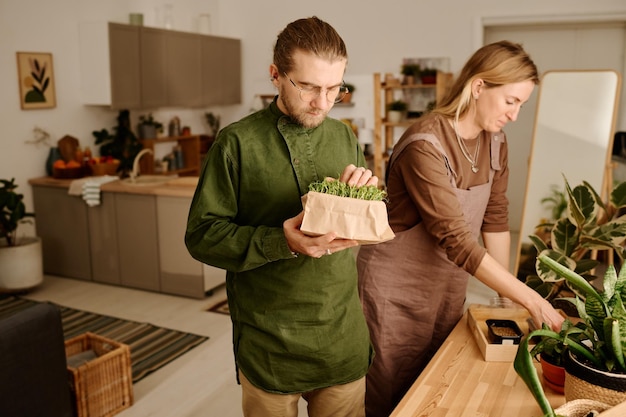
459	382
178	187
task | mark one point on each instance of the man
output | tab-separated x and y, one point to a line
298	326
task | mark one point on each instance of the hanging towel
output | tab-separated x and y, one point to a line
89	188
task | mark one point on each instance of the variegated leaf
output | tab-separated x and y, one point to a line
545	272
618	195
582	206
564	237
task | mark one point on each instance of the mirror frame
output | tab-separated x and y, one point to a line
605	165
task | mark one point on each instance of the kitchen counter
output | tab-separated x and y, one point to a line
177	187
133	238
459	382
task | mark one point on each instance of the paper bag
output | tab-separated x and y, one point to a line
351	218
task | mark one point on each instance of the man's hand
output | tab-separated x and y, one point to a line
315	247
360	176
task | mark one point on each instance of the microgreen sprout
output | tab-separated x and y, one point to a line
341	189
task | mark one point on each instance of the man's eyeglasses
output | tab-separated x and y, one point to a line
308	94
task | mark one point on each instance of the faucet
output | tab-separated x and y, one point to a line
135	172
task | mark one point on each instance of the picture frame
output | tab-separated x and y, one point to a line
36	80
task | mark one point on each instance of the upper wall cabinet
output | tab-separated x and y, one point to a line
136	67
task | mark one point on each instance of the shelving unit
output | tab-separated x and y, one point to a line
385	93
194	147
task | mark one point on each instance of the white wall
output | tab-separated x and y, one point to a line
378	37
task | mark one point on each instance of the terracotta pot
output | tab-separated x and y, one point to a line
583	381
553	375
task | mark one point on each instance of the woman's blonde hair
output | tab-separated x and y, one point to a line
497	64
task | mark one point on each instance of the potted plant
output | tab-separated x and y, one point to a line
595	346
428	76
214	123
123	145
396	111
21	262
148	127
410	72
588	224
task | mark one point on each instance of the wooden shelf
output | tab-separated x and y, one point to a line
384	131
194	147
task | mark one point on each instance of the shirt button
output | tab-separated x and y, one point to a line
296	161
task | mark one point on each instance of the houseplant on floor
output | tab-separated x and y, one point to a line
587	224
21	262
595	346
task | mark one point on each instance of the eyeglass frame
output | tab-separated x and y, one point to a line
342	89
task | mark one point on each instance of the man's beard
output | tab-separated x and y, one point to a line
303	116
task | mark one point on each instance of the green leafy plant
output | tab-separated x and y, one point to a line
214	123
588	223
351	87
411	70
341	189
398	105
12	211
556	202
122	145
149	120
599	339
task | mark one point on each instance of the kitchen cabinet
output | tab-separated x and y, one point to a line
62	225
184	72
384	129
110	64
153	64
180	273
136	67
134	238
137	240
103	238
221	65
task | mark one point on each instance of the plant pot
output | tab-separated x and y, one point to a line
395	116
553	375
21	266
147	131
583	381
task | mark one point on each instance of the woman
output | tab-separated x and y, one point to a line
447	180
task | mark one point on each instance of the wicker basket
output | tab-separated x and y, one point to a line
103	385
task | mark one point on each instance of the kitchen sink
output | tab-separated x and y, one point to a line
149	180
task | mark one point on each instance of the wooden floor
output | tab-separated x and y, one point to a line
199	383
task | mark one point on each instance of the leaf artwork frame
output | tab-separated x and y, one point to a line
36	80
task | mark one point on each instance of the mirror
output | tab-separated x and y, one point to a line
572	137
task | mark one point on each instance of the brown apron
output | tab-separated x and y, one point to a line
413	295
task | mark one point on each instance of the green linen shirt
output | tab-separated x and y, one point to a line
297	321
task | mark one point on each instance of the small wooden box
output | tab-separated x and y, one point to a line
477	321
102	385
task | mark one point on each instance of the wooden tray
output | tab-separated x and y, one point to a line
476	320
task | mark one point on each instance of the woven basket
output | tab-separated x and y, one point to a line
582	408
585	382
102	386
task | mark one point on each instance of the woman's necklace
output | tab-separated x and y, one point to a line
465	151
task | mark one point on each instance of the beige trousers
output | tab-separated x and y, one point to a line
347	400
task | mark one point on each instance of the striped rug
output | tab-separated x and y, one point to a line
150	346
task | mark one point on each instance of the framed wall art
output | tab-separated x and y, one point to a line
36	80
